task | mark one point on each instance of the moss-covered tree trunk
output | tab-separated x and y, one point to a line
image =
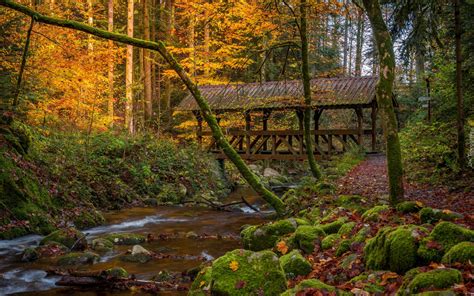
459	93
160	47
307	91
386	56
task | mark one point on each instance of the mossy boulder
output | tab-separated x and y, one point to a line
243	272
374	213
334	227
125	238
29	254
430	215
346	228
437	293
361	235
409	207
138	255
116	272
70	237
330	241
443	236
394	249
462	253
434	279
295	264
102	245
343	247
261	237
306	237
88	220
315	285
77	258
202	283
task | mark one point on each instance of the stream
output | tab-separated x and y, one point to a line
21	278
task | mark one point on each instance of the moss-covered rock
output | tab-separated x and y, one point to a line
437	293
261	237
243	272
443	236
295	264
334	227
138	255
346	229
409	207
89	219
430	215
361	235
125	238
373	214
434	279
29	254
306	237
313	284
70	237
201	285
343	247
116	272
77	258
462	253
102	245
394	249
330	241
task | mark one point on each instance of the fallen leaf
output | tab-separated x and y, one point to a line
282	247
234	265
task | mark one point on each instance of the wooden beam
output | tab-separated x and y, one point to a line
248	119
198	116
360	127
374	126
317	116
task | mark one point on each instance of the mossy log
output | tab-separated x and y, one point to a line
160	47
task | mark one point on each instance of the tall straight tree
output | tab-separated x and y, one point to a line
384	94
129	124
147	65
459	93
359	42
110	102
307	90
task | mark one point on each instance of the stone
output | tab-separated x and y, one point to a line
270	173
29	255
70	237
102	245
330	241
306	237
462	253
408	207
441	278
192	235
78	258
430	215
261	237
374	213
316	285
294	264
333	227
116	272
125	238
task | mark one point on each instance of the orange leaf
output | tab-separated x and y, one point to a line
282	247
234	265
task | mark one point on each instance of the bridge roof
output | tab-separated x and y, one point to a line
346	92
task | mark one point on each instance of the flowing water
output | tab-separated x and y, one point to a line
31	278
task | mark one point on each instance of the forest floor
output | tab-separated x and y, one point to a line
369	179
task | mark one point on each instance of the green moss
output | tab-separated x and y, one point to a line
408	207
89	219
361	235
70	237
116	272
202	283
102	245
443	236
136	258
334	227
329	241
260	237
125	238
307	236
313	284
429	215
344	246
30	254
434	279
462	252
393	249
374	213
437	293
295	264
255	273
346	229
324	188
77	258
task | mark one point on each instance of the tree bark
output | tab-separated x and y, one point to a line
307	91
459	93
384	94
147	66
90	21
359	43
129	124
110	105
16	94
160	47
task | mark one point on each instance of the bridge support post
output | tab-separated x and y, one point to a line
248	119
198	116
360	130
300	115
374	125
317	116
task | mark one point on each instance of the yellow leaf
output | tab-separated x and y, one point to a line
202	283
419	203
282	247
447	211
234	265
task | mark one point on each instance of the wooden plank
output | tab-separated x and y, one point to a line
263	144
269	156
284	141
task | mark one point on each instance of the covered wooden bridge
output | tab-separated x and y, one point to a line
261	100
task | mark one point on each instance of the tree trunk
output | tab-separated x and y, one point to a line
110	105
129	124
169	12
160	47
359	43
346	33
459	93
384	99
16	94
192	50
307	91
147	66
90	21
206	44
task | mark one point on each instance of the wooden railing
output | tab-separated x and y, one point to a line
287	144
